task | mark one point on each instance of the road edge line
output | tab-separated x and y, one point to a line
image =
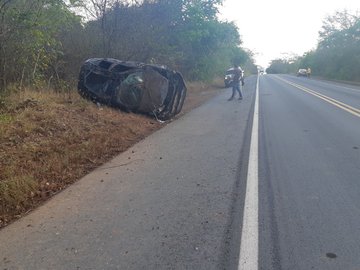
249	245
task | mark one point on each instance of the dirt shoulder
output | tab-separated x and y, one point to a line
48	141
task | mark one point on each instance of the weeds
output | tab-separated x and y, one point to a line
15	193
49	140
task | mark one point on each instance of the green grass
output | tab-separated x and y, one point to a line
6	118
15	193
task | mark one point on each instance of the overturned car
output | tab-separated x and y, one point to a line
133	86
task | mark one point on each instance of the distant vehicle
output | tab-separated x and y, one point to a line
133	86
229	77
302	72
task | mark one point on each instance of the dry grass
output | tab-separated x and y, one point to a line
48	141
199	92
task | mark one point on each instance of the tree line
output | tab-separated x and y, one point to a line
337	55
44	42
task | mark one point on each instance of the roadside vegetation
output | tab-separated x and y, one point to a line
49	140
49	136
44	42
337	55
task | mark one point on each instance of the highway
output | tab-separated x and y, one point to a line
309	183
268	182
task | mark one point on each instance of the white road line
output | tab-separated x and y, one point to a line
250	230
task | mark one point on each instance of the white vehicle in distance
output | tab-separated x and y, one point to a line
302	72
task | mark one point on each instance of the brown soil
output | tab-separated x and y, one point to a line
48	141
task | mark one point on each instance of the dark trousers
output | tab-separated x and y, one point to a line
236	88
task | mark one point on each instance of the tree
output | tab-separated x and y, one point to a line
338	52
44	42
29	44
337	55
183	34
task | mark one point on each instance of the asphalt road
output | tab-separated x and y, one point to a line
176	200
309	183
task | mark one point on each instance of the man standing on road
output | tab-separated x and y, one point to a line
238	76
308	72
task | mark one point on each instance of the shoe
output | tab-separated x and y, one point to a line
230	99
240	98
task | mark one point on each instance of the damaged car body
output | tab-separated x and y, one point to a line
133	86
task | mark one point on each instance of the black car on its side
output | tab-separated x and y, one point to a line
133	86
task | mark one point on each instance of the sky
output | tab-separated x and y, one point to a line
279	28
